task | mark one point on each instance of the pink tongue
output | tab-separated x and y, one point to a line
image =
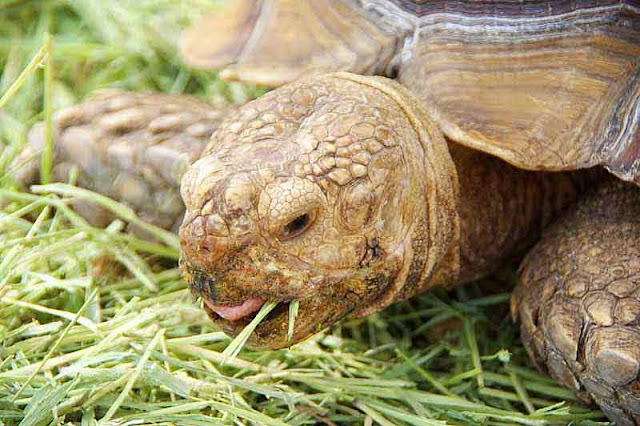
233	313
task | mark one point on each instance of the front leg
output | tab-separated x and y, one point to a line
578	301
133	147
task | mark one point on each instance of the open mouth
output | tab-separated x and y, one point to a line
233	307
313	314
236	317
233	313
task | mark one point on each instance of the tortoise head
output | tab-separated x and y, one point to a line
337	192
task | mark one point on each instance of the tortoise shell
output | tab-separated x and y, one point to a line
544	85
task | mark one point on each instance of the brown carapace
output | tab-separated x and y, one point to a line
349	192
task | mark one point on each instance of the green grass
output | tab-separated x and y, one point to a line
98	326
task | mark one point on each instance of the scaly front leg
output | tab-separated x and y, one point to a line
579	301
132	147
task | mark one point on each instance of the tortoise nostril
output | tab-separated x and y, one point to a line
297	226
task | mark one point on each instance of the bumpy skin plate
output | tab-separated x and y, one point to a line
579	301
129	146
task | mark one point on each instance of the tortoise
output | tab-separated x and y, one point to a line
410	145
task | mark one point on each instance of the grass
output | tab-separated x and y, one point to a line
97	326
236	345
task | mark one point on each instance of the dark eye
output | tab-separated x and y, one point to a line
297	226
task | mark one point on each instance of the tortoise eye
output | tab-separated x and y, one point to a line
297	226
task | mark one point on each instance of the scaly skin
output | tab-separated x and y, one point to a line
579	301
389	213
133	147
503	210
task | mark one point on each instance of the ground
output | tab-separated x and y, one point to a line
97	325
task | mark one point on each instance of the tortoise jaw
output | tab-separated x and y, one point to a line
233	307
233	295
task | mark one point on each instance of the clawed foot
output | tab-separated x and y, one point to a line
579	302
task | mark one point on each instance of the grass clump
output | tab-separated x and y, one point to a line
97	326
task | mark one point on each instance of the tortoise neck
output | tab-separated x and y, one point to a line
503	209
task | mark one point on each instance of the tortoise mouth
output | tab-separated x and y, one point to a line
236	312
235	292
233	307
234	325
271	333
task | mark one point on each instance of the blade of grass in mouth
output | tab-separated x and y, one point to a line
293	314
236	344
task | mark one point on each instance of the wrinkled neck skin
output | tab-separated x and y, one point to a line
430	251
492	213
503	209
500	212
